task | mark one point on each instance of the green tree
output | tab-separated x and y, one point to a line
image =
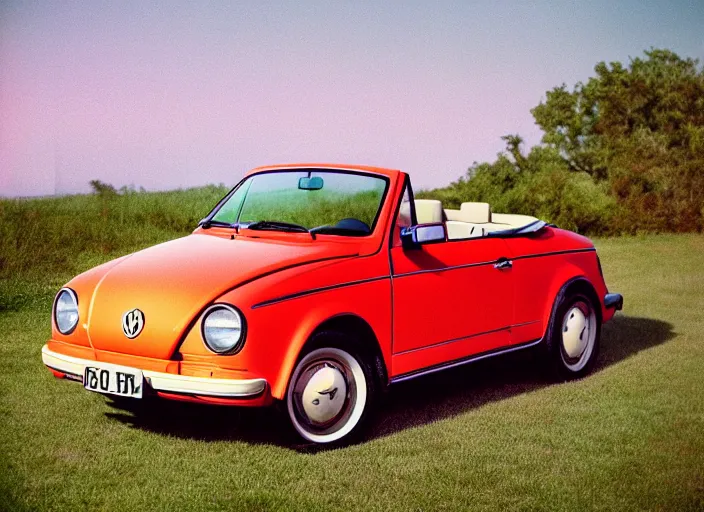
640	128
621	153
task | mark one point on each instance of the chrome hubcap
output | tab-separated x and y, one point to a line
324	394
575	332
578	335
327	395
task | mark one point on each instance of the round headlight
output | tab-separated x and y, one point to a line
66	311
222	329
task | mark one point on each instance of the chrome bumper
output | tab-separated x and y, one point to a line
613	301
167	382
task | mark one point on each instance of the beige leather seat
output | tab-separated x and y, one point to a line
457	230
477	219
470	221
428	211
453	214
476	213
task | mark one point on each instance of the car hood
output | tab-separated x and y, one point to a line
172	282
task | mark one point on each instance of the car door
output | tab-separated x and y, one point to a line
450	300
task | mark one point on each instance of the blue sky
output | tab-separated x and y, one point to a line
176	94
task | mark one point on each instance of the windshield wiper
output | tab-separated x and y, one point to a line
274	225
335	230
206	224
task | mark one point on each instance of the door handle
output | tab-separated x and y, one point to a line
503	264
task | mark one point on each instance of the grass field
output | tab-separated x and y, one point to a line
490	436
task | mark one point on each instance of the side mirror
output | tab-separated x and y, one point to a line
414	236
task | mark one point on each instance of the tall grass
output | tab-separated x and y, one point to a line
44	242
51	234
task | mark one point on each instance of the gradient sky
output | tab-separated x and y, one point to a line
168	94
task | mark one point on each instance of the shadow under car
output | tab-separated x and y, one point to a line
409	404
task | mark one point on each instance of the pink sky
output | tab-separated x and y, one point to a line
171	95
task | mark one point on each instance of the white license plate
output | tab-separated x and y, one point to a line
114	380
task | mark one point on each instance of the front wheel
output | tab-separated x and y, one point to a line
573	342
328	395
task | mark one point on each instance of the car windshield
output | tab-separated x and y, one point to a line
328	202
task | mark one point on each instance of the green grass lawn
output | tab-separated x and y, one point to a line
495	435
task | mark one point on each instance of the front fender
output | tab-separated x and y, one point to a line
306	328
369	301
278	331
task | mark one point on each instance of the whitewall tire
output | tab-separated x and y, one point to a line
578	334
328	395
573	337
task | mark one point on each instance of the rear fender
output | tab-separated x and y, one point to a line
567	275
560	293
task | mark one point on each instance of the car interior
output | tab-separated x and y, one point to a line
472	220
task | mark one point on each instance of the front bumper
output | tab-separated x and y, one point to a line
613	301
163	382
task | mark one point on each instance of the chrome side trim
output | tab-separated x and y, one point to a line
443	269
554	253
460	362
492	262
316	290
276	300
169	382
281	269
453	340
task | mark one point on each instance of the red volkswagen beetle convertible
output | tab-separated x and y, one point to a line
318	285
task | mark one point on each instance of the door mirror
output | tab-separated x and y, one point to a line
414	236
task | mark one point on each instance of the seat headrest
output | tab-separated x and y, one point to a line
477	213
453	214
428	211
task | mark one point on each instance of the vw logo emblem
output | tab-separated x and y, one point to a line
133	323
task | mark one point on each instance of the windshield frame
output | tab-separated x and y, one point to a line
372	228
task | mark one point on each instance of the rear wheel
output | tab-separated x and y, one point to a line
329	394
573	342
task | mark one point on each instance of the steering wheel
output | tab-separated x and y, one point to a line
353	225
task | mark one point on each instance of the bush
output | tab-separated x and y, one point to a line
539	184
